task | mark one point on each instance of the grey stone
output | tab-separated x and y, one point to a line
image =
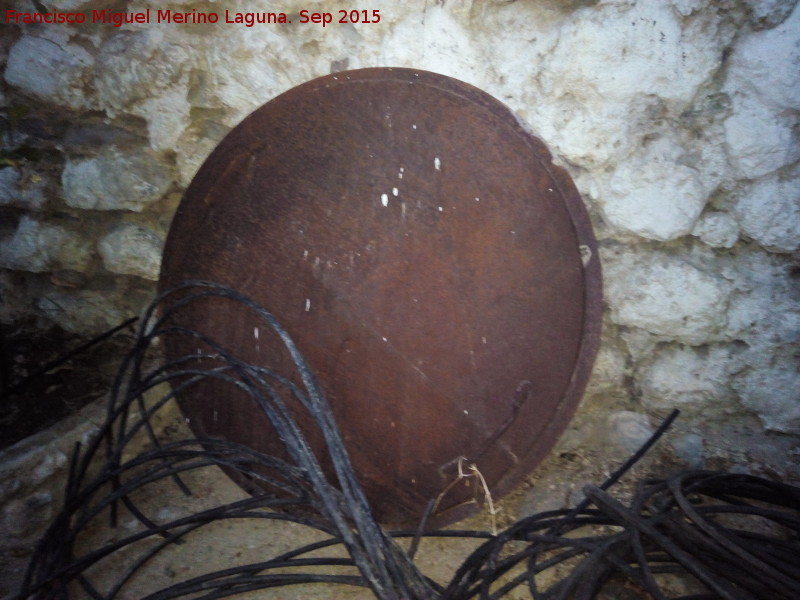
22	187
9	185
55	71
630	429
84	311
38	247
23	516
690	449
115	181
132	250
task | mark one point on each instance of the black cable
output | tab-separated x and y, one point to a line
680	525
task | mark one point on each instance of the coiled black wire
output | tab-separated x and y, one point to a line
707	526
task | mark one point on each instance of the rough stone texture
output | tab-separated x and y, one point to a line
49	69
653	195
9	185
631	429
115	181
717	229
132	250
37	247
22	187
86	311
768	211
773	392
681	374
666	296
691	449
764	82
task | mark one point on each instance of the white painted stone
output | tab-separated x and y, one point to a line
767	63
167	116
652	195
115	181
773	393
666	296
132	250
247	68
136	65
86	311
50	70
717	229
682	374
37	247
759	139
769	212
630	429
763	310
641	51
769	13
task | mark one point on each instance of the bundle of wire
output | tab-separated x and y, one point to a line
733	536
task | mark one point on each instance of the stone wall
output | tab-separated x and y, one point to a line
678	120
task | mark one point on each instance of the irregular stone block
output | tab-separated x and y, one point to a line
681	374
86	312
630	429
691	449
132	250
134	65
115	181
53	71
769	212
38	247
774	395
654	196
666	296
9	185
642	50
717	229
759	139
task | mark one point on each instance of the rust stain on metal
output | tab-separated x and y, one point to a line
436	269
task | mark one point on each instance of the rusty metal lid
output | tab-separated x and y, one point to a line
437	271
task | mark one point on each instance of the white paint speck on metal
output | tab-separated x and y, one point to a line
437	163
385	199
395	191
255	332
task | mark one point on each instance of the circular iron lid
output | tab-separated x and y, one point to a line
437	271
